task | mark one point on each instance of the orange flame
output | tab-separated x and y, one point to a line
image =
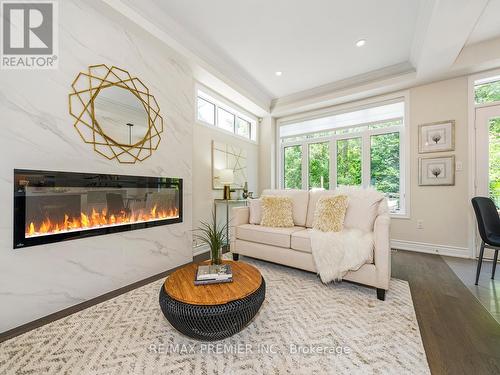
95	219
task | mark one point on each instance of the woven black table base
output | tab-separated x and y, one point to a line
212	322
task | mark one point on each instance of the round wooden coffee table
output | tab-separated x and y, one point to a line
215	311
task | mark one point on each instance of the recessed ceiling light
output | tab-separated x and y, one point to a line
278	73
361	43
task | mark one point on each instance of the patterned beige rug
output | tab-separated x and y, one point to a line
303	327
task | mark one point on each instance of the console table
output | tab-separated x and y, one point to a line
228	202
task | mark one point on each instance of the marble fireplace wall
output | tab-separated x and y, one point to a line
37	133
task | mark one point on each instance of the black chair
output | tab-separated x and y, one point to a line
488	223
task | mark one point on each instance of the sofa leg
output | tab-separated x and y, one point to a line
381	294
236	256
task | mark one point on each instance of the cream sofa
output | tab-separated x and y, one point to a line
292	247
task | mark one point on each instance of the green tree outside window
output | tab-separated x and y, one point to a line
319	165
293	167
384	166
349	162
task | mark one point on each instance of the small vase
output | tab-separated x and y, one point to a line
216	256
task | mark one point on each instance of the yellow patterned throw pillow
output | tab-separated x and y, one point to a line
330	213
276	211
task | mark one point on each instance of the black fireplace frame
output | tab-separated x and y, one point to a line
76	179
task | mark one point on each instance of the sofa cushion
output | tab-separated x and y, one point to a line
300	200
266	235
255	211
314	196
330	213
363	207
277	211
301	240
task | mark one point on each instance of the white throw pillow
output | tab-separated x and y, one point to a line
255	211
363	207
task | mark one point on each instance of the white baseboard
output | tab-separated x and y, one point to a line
422	247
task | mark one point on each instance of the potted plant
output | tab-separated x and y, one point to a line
214	236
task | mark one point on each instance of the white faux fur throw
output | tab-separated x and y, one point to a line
336	253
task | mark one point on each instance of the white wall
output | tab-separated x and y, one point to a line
444	210
267	154
37	133
203	195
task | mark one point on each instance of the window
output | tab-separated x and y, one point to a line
357	148
206	111
243	127
225	120
384	166
319	165
487	91
216	112
293	167
349	162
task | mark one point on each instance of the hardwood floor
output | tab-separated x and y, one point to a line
459	335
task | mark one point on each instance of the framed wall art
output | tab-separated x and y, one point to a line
226	156
438	171
436	137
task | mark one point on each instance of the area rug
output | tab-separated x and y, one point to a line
303	327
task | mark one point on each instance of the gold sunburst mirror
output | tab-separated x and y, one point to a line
116	113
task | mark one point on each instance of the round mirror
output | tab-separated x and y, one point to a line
115	113
121	115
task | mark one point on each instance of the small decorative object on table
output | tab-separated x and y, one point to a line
214	236
245	190
213	274
226	177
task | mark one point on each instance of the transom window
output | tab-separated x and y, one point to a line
211	111
487	90
357	148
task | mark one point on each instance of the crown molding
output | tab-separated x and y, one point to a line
377	82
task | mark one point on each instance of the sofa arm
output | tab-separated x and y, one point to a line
382	253
239	216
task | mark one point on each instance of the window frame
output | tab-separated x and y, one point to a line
365	135
221	103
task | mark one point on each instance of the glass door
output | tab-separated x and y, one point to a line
487	179
488	152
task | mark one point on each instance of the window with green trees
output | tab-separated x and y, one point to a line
293	167
319	165
359	148
487	92
384	166
349	162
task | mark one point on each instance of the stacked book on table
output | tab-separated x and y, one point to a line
213	274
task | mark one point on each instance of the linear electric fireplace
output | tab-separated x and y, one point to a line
59	206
